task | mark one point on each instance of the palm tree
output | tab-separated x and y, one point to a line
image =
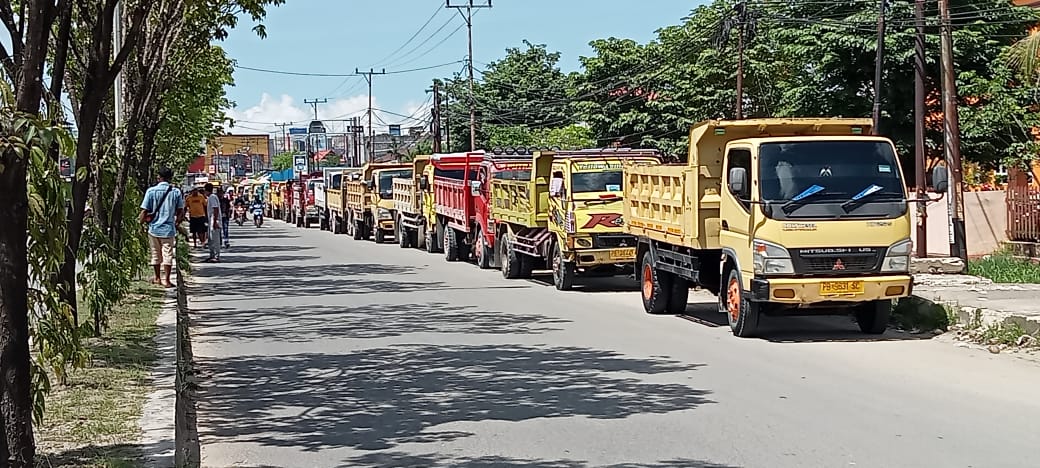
1025	56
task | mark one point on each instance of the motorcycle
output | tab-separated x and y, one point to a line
240	214
258	216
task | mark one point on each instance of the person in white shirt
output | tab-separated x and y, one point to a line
215	218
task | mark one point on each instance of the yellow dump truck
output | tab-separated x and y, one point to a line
336	198
410	198
370	203
776	217
566	215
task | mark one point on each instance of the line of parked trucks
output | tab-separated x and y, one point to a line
774	216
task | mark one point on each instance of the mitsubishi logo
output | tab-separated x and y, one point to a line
838	265
623	243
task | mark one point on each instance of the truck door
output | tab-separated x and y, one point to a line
482	202
735	210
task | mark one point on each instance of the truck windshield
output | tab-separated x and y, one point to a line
587	182
455	173
817	179
386	181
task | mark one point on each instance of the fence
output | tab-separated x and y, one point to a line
1023	208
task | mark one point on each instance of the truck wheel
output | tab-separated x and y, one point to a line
419	236
656	286
510	259
358	231
379	235
401	234
451	245
464	248
484	252
679	296
431	241
563	271
872	316
306	222
742	314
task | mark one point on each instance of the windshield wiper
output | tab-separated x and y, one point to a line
859	199
799	200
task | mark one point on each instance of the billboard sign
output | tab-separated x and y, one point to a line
297	131
300	164
395	130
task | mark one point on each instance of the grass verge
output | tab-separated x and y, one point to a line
1002	267
91	421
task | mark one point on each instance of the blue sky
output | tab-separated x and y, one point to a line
337	36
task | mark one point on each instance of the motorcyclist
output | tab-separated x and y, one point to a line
257	208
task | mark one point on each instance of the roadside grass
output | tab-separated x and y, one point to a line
1003	267
91	421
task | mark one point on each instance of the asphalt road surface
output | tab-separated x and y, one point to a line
317	350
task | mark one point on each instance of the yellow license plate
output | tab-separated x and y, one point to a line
623	253
837	288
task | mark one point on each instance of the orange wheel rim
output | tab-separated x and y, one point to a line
733	299
648	282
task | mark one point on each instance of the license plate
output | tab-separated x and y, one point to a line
837	288
622	253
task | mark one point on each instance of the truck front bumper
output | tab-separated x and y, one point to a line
594	257
386	224
805	291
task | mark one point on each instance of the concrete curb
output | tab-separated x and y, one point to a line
968	297
158	431
187	437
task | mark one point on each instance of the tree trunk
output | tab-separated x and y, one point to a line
115	233
144	167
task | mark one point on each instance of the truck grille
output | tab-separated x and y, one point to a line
612	241
836	261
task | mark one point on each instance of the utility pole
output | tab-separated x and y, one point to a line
952	134
447	122
371	137
469	5
879	67
436	117
920	178
285	138
314	103
741	12
117	44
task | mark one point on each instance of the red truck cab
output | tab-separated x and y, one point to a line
494	166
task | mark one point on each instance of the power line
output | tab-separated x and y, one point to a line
341	75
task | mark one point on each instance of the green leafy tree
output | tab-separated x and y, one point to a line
282	161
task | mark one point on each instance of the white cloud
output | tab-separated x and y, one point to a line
272	110
286	109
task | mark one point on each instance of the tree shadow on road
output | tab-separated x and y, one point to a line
378	398
399	459
305	323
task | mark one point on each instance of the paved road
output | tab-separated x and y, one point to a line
316	350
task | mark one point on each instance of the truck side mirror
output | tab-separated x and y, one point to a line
474	187
737	180
940	179
370	184
424	184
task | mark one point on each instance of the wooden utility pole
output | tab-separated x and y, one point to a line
952	137
879	67
285	138
468	6
920	179
371	137
741	15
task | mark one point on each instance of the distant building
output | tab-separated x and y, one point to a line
386	144
238	155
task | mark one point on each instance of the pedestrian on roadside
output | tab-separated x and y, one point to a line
225	216
214	216
162	210
196	202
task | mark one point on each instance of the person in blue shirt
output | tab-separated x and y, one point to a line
162	210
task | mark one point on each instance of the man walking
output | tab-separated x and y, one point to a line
213	215
196	202
162	210
225	215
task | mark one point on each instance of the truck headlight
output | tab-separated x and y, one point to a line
897	259
771	259
384	214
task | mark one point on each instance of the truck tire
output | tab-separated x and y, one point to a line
401	234
742	314
358	231
484	252
679	296
563	271
512	264
420	235
655	286
306	222
378	234
451	244
873	316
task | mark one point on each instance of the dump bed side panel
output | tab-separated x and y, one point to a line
452	199
357	195
674	204
404	195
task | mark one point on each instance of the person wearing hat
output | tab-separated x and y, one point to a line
162	210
